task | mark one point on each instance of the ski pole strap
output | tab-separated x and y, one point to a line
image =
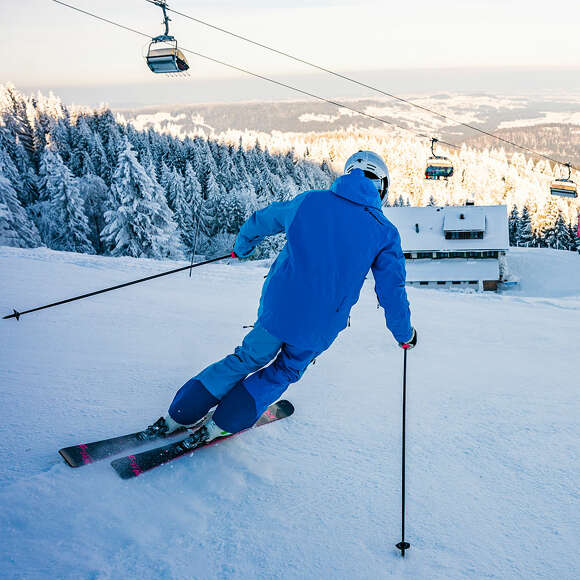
17	314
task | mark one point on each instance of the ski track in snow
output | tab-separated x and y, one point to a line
493	463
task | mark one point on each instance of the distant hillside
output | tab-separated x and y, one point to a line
489	112
558	140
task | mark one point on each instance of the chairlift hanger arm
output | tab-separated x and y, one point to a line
433	141
163	5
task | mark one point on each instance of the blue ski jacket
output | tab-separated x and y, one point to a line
333	238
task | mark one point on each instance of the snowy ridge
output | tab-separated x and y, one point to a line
493	461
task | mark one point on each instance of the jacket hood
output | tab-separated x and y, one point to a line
357	188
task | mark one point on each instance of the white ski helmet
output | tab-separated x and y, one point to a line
373	167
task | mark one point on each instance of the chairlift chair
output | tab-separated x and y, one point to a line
163	55
564	187
438	167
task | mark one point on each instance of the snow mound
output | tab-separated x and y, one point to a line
545	272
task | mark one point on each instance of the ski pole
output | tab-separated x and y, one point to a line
402	545
17	314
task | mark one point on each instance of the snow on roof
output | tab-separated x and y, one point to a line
429	221
449	270
456	219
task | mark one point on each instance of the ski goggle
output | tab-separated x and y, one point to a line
381	184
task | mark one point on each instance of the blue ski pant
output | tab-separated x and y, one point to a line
242	384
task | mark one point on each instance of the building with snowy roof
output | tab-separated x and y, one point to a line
453	246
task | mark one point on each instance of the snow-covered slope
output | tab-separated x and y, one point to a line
493	464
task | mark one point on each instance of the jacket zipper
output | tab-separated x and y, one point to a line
371	213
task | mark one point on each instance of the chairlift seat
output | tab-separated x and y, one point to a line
438	168
166	59
564	188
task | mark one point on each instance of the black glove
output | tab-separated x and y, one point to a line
410	343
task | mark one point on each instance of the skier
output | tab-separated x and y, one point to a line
333	238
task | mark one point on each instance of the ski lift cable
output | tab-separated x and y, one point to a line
263	77
362	84
288	86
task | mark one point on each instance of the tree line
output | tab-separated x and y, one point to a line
82	181
86	181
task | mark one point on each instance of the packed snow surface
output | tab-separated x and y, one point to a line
493	460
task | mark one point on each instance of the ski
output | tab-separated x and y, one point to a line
134	465
87	453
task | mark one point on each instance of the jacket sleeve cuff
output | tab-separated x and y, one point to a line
408	334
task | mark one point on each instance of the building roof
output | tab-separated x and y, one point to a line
431	223
449	270
458	220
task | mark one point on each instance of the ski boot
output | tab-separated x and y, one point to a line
204	434
166	426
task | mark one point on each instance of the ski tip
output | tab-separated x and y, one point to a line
69	460
126	467
286	407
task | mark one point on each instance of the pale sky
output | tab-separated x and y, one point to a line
45	44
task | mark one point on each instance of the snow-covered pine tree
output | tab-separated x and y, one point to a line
546	220
97	199
192	227
526	234
142	224
62	223
227	175
99	159
80	138
574	229
183	204
514	226
173	185
561	232
8	169
164	176
16	228
212	217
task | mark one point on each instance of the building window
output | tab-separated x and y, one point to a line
423	283
408	256
457	254
474	254
473	282
456	282
441	283
464	235
421	255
